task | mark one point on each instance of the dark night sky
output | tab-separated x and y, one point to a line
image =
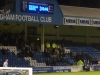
81	3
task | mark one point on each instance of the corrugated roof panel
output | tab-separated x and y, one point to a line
80	11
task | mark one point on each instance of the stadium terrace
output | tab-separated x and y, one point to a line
41	36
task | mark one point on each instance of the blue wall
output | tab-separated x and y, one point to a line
57	17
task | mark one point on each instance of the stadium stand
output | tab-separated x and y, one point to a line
11	54
39	58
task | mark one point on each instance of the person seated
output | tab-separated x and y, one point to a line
54	62
58	59
48	62
62	59
3	51
19	54
96	62
31	53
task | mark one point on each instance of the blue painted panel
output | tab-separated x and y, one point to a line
56	18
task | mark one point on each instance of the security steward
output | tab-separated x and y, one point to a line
54	46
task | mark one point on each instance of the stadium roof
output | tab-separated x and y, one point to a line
80	11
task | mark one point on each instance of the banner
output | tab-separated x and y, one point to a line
52	69
96	22
69	21
81	21
62	69
42	69
95	67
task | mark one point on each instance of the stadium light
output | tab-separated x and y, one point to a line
56	26
39	25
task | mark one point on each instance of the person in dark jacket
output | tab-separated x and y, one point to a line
48	62
90	60
54	62
3	51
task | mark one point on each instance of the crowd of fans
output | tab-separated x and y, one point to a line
9	39
85	57
27	49
54	62
57	51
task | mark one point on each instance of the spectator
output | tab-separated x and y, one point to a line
48	62
12	40
28	54
48	46
32	47
5	64
17	41
90	60
54	62
31	53
47	53
62	59
58	59
3	51
23	52
96	62
63	41
86	58
20	40
5	41
73	54
37	48
80	63
19	54
82	56
54	46
78	56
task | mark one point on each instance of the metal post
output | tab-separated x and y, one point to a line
42	38
57	33
87	36
25	32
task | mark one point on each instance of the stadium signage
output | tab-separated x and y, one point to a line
84	21
52	69
96	22
28	18
80	21
68	21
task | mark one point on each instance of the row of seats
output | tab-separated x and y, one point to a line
9	47
39	59
90	50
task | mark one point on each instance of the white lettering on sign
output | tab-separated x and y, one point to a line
46	19
70	21
84	21
96	22
16	17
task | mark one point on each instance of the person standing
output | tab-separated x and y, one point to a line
54	46
5	64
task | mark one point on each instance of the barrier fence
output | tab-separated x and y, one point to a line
62	69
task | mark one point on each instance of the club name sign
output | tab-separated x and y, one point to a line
16	17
